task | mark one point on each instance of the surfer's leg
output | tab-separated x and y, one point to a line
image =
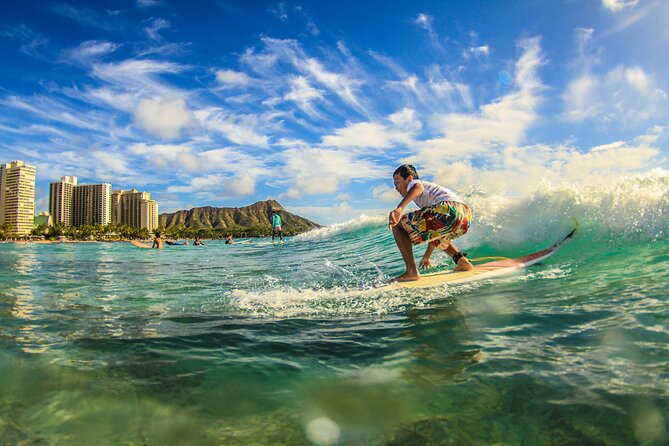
449	248
406	249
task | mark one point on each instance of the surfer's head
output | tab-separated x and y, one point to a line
404	175
405	170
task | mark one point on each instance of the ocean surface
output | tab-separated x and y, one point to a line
269	344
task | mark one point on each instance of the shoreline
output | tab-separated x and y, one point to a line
51	242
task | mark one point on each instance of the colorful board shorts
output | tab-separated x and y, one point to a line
276	228
437	224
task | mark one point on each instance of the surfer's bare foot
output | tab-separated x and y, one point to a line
406	277
463	265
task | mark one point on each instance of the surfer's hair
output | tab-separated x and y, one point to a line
405	170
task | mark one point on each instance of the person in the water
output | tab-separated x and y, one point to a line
442	217
157	241
197	241
229	241
276	225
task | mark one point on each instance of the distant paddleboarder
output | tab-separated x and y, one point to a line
442	217
276	225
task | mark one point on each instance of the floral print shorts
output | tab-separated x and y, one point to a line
437	224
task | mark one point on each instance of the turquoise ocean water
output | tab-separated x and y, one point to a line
261	343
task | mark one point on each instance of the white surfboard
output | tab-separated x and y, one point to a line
480	271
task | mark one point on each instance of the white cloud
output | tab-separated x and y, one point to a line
321	171
339	84
110	161
385	194
437	93
289	51
364	134
624	94
503	122
239	129
400	129
425	21
651	137
222	185
406	120
153	31
92	48
54	110
162	117
232	79
138	75
619	5
304	95
477	51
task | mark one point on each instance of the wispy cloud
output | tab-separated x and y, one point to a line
619	5
238	129
147	3
425	21
153	30
31	43
623	94
91	49
86	16
304	95
495	125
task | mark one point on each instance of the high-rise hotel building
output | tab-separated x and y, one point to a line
60	200
91	204
135	209
17	197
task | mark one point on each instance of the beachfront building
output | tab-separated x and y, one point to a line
17	197
91	204
60	200
135	209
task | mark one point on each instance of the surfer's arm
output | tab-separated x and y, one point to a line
425	261
396	214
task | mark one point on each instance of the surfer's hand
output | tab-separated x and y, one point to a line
425	263
394	217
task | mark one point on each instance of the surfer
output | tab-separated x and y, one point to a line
228	241
157	241
276	225
442	217
197	241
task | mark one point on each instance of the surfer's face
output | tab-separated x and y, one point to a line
401	183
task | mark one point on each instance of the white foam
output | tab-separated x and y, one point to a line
630	207
353	225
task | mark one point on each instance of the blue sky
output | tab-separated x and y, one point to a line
224	103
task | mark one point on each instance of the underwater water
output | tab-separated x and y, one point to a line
262	343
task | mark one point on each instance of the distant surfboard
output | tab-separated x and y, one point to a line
480	271
140	244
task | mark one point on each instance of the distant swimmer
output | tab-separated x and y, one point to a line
157	241
442	217
175	243
276	225
198	242
229	241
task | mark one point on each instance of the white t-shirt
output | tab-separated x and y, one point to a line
433	194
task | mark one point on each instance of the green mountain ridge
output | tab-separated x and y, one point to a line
254	219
